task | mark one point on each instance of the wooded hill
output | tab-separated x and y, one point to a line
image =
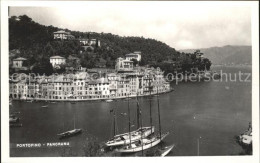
35	41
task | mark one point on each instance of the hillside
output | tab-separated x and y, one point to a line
227	54
35	42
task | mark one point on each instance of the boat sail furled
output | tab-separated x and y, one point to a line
131	136
142	144
124	139
145	142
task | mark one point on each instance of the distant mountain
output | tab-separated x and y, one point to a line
226	54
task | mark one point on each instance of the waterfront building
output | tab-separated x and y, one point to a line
18	89
123	65
112	79
123	87
136	55
62	35
19	62
57	60
81	86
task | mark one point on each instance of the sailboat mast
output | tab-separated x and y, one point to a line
114	114
159	117
74	120
137	112
141	124
129	123
150	105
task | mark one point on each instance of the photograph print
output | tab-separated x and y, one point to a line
130	79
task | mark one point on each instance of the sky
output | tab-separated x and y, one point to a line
181	25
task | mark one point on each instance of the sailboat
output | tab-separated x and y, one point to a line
148	142
70	132
128	138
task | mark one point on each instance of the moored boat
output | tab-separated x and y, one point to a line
109	100
45	106
124	139
69	133
166	150
246	137
143	144
13	119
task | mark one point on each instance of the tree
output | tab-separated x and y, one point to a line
43	68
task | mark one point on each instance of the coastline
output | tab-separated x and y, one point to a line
92	99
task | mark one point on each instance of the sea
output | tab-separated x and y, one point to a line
203	119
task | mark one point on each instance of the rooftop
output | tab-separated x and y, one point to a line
56	57
20	59
61	32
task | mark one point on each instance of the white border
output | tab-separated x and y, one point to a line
4	92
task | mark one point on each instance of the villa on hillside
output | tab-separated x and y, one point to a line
62	35
89	42
19	63
198	54
57	60
124	65
136	55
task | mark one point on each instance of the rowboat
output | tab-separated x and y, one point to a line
124	139
142	144
13	119
166	150
109	100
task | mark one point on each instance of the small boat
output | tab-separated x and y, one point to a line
17	112
73	102
246	137
16	125
142	144
13	119
109	100
53	102
124	139
44	106
166	150
69	133
29	101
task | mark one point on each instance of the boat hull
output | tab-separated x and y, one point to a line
69	133
167	150
143	146
135	136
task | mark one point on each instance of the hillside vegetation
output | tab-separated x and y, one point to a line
36	43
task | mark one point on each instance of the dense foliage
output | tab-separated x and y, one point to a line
35	42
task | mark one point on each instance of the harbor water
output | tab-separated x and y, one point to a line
202	118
